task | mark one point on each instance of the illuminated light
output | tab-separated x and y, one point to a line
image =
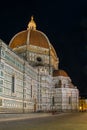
80	108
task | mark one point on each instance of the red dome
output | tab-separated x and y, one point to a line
60	73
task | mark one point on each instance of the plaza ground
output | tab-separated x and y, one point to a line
62	121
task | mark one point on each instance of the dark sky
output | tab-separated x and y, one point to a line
65	24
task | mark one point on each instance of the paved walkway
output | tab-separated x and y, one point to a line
63	121
8	117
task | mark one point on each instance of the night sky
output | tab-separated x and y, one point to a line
65	24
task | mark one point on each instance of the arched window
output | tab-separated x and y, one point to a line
69	99
60	83
31	90
13	84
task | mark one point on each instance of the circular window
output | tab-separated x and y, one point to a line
39	59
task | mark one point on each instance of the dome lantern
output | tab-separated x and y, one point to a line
32	24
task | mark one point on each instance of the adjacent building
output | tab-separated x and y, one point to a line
30	77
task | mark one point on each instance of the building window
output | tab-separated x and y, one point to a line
13	84
1	65
0	89
31	90
60	84
24	104
2	52
53	102
1	82
1	73
69	99
0	102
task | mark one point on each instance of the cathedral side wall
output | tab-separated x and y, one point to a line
18	83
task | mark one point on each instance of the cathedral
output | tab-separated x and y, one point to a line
30	77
